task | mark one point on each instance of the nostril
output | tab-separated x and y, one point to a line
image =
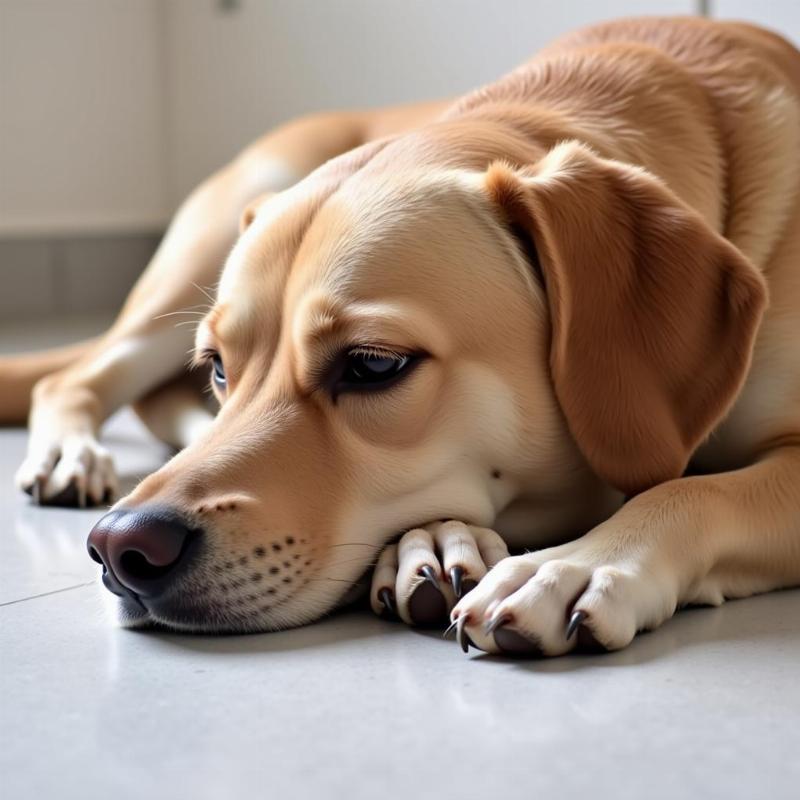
135	564
142	550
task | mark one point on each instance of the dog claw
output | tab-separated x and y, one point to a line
495	623
456	574
427	572
36	491
461	636
427	605
575	621
385	597
450	628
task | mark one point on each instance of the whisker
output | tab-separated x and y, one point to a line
350	561
204	291
358	544
188	313
200	309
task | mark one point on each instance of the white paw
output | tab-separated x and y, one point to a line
423	575
76	471
550	601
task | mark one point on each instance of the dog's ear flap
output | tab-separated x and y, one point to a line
251	209
653	314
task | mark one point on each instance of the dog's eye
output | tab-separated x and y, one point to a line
218	370
365	370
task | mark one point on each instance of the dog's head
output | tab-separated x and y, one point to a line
391	347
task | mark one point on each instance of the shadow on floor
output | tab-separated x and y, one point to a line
755	621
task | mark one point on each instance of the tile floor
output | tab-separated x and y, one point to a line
353	707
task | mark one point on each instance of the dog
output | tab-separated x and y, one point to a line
559	316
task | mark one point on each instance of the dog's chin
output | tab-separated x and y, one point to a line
191	617
131	614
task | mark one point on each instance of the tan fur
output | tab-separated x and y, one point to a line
582	251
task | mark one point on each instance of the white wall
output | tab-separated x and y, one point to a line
780	15
110	110
236	74
81	115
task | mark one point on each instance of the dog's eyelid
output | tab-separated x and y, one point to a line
378	351
337	380
339	356
203	356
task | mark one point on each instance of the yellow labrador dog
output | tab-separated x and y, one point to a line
560	314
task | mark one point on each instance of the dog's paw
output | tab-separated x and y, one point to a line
421	577
551	601
77	471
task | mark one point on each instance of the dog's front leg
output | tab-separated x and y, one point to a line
65	463
693	540
145	347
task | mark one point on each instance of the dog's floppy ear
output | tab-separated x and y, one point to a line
653	314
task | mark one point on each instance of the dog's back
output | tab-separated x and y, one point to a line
712	108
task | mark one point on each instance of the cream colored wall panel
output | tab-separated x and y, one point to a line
236	73
780	15
81	115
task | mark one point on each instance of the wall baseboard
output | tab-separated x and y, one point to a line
45	276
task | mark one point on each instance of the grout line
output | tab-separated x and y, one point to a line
47	594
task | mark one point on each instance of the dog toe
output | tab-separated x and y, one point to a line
77	472
514	643
424	598
427	606
566	598
430	568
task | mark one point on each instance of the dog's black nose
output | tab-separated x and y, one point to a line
141	550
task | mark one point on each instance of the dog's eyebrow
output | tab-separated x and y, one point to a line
213	318
207	331
323	325
327	328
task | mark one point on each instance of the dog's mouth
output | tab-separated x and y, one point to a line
215	607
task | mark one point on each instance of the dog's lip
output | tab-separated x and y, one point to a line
177	610
132	614
121	591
